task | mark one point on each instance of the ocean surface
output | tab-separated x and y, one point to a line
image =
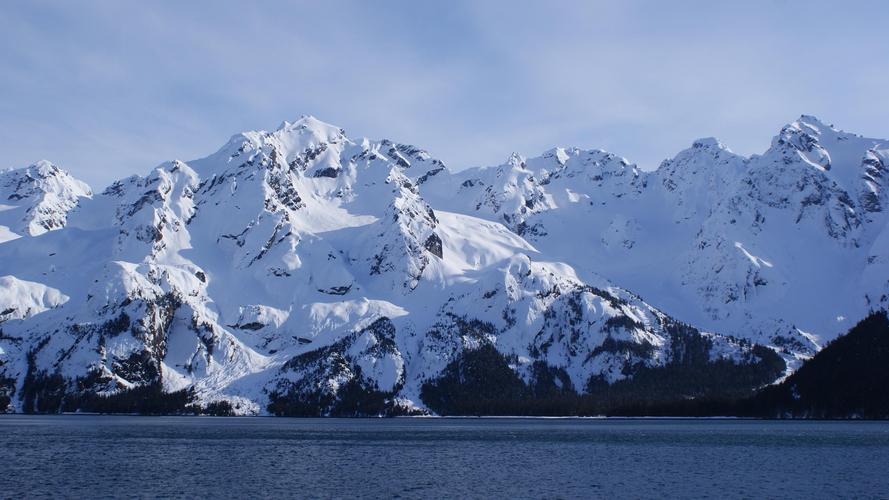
105	456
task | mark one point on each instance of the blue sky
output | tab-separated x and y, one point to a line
108	89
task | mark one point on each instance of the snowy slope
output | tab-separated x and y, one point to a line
301	271
784	248
37	199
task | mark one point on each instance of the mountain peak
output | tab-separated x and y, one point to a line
307	122
45	168
305	137
709	143
308	131
297	259
46	177
45	192
804	132
559	154
515	160
703	153
812	123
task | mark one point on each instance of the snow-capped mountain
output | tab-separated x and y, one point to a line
786	248
304	272
37	199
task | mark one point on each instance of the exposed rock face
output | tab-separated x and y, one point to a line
302	272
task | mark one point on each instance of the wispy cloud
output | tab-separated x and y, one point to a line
108	89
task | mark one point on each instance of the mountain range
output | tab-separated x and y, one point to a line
304	272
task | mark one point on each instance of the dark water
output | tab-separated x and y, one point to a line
86	456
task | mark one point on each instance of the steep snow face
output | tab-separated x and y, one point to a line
697	179
515	191
37	199
776	248
541	312
21	299
301	271
815	173
402	241
205	273
790	242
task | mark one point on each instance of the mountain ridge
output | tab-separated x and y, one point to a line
303	272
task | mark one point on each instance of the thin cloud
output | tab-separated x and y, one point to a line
108	89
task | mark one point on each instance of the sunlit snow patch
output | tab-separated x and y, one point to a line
758	262
20	299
